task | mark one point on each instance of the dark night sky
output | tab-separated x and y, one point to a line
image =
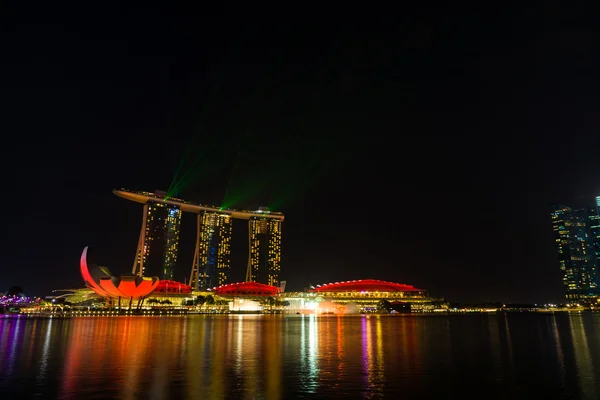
424	149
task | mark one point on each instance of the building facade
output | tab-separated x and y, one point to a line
213	258
594	222
576	249
264	250
159	241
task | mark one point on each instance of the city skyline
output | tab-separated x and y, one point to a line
201	202
428	151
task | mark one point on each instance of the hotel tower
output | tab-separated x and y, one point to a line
212	261
264	249
159	240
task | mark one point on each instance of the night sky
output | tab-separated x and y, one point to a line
425	148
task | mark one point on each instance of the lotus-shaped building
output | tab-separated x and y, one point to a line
101	281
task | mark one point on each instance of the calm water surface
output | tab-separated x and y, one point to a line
513	356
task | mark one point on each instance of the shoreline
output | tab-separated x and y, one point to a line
176	313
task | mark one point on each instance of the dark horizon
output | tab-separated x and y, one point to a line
425	152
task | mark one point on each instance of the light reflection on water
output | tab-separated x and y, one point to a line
45	354
302	356
583	363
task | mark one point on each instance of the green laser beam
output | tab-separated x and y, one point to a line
181	162
177	185
213	92
189	168
196	172
237	160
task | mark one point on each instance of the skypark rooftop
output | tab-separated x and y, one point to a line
145	197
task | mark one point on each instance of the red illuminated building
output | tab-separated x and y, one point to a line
166	286
101	281
246	289
366	285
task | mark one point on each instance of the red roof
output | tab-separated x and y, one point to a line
365	285
246	289
166	286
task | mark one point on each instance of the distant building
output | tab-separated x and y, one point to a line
240	305
282	286
594	223
264	252
253	289
361	296
574	234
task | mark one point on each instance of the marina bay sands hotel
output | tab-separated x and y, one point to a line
159	240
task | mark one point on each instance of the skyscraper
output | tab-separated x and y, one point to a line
159	240
576	252
594	222
212	260
264	249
